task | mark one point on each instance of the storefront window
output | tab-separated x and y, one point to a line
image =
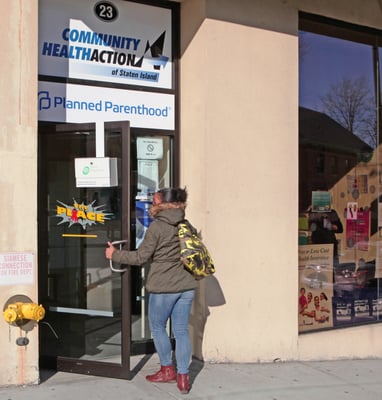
340	183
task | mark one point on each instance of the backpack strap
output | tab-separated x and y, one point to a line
189	225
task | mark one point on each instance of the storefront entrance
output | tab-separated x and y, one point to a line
95	317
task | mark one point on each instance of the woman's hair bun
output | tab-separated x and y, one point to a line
173	195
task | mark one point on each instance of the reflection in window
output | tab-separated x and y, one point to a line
320	163
339	262
333	165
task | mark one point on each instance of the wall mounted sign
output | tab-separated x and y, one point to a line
108	41
58	102
106	11
96	172
16	268
149	148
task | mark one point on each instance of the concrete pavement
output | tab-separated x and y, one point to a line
324	380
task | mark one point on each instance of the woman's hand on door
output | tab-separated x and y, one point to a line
109	251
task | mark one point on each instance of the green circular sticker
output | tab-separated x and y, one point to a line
85	170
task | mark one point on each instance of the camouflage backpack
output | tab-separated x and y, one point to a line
194	254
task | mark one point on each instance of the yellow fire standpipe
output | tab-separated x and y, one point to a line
22	312
19	311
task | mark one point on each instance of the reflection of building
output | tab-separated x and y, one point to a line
334	159
328	152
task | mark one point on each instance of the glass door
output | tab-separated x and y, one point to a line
87	327
151	168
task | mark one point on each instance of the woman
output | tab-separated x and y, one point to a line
170	286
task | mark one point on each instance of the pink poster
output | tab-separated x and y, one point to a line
357	229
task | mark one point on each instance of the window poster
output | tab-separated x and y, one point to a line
360	182
315	295
378	262
321	201
357	227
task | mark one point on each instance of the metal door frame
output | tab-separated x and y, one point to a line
99	368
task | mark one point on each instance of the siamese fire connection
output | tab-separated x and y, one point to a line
19	311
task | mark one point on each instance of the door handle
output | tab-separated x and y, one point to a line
116	243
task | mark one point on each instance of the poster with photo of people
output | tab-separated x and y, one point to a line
315	287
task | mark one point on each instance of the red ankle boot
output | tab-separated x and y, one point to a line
165	374
183	383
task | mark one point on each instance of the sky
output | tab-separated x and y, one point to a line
326	61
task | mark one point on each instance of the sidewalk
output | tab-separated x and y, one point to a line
326	380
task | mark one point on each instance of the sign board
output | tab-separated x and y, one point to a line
96	172
315	287
321	201
58	102
16	268
148	175
108	41
149	148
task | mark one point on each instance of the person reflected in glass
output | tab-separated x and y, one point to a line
324	226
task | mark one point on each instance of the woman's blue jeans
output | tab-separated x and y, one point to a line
162	306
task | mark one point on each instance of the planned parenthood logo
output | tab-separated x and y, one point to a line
47	101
